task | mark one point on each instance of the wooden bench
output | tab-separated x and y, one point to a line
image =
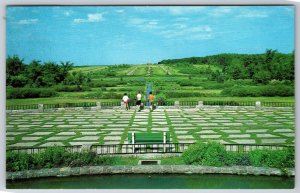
147	139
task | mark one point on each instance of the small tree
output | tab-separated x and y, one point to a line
262	77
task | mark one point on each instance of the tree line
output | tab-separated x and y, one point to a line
38	74
261	68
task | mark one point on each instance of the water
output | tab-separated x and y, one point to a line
156	181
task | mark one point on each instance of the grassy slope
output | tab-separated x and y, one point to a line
160	81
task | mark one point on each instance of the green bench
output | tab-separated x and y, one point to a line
149	138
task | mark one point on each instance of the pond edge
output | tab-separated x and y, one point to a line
148	169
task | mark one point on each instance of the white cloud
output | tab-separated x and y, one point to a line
182	10
144	24
171	30
95	17
174	10
253	14
136	21
68	13
192	33
120	11
152	23
199	37
27	21
220	11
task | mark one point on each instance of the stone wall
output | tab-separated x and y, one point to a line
147	169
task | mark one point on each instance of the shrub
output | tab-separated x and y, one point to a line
210	154
172	94
54	157
242	91
237	158
17	161
214	154
18	93
73	88
277	90
255	91
271	158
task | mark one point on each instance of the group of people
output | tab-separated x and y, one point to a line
138	103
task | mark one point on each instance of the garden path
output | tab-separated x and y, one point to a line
186	126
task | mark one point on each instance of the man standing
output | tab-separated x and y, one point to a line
150	99
139	100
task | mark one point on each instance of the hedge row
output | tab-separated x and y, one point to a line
73	88
19	93
172	94
54	157
214	154
256	91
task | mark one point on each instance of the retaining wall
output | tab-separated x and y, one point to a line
147	169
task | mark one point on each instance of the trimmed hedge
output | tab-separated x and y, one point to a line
172	94
210	154
214	154
54	157
256	91
73	88
20	93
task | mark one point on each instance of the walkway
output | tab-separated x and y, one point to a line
185	126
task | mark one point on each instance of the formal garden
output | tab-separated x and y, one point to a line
225	110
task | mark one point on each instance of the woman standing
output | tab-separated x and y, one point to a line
125	99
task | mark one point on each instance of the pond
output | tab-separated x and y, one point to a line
156	181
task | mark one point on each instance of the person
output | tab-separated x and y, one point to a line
139	100
150	99
125	99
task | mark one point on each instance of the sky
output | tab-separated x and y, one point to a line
104	35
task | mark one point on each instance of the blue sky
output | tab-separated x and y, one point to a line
99	35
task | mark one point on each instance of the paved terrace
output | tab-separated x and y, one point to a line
70	127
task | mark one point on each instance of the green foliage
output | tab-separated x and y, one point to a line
35	74
237	158
17	81
66	88
278	159
78	79
104	95
217	76
17	161
211	154
259	67
14	66
19	93
174	94
255	91
109	71
54	157
172	160
214	154
262	77
277	90
242	91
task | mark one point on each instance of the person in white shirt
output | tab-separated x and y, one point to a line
139	100
125	99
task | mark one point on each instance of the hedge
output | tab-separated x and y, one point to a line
19	93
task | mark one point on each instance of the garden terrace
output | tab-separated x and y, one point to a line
111	126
